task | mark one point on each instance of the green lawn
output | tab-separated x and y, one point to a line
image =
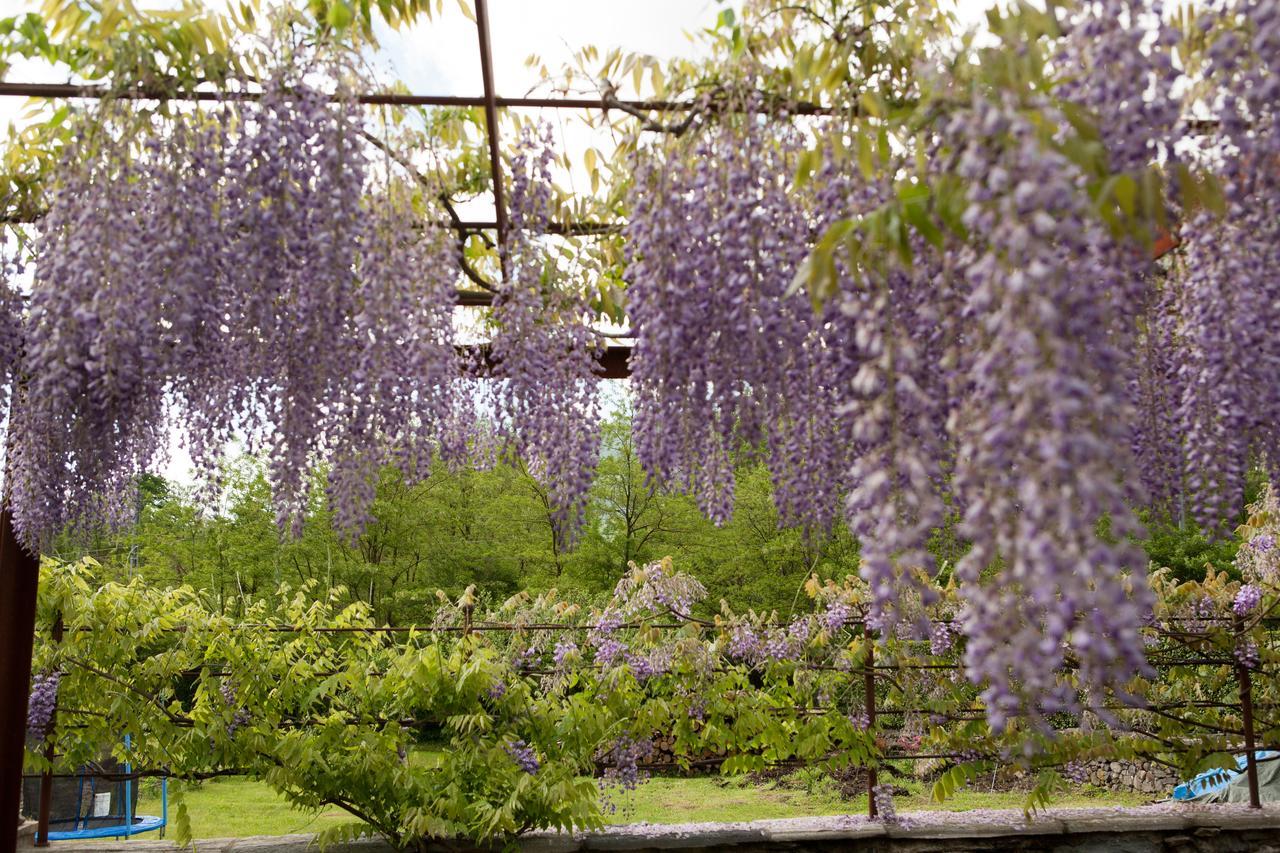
239	807
681	800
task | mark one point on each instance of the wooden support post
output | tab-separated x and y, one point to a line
869	687
46	779
19	576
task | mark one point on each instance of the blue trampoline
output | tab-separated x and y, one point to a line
113	824
90	805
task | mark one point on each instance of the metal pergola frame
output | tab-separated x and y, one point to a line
19	569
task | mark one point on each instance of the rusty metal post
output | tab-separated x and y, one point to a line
869	687
1246	711
19	576
467	610
491	126
46	779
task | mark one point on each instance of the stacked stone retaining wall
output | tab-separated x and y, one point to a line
1142	777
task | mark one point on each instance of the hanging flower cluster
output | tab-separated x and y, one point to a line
1041	431
243	273
13	311
727	356
895	407
1228	289
544	353
42	704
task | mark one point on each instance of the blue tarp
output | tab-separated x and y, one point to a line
1211	781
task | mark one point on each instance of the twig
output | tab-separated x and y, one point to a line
467	270
185	722
610	100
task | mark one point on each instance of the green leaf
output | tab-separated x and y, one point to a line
808	163
339	15
871	104
1125	190
866	161
922	222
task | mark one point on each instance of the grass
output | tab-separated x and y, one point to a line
739	799
241	807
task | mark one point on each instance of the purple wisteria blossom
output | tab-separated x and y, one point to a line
1247	599
523	755
544	352
243	273
42	703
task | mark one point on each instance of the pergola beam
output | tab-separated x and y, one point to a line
395	99
491	129
604	103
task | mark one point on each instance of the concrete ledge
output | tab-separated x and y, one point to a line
1163	828
26	834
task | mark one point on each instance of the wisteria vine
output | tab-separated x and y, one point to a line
544	352
243	273
727	357
1016	360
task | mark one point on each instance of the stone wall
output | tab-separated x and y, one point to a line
1149	829
1143	777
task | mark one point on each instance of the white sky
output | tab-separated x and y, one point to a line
440	56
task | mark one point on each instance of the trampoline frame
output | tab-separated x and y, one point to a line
131	824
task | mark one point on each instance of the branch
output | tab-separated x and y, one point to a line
185	722
426	183
610	100
468	270
390	833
